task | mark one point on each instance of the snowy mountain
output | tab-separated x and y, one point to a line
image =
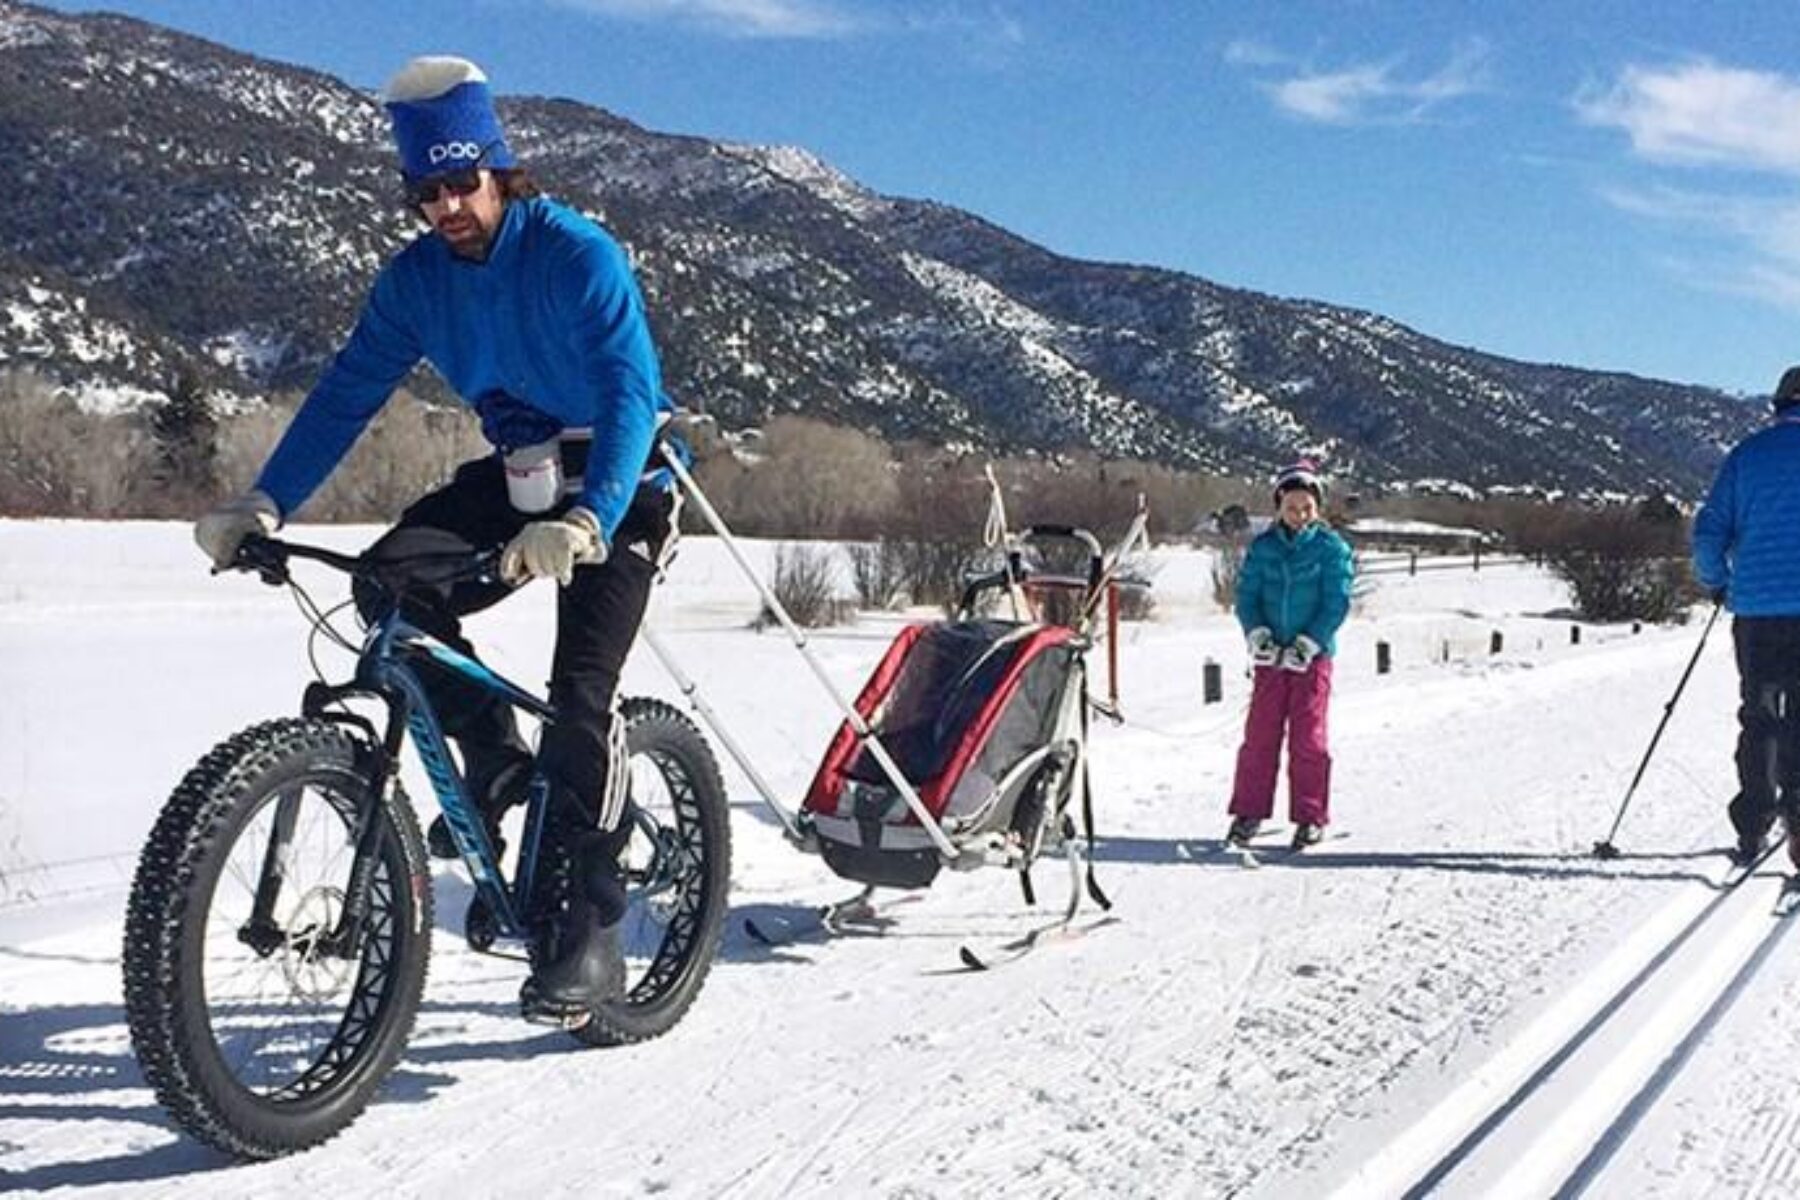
185	210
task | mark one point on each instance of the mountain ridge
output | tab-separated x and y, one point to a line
193	211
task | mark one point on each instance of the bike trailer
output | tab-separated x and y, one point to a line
978	715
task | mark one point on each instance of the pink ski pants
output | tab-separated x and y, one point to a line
1294	703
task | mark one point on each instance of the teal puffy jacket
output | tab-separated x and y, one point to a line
1296	583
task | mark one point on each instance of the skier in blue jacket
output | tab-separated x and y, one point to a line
1747	553
530	312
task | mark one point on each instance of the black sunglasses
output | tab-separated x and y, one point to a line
457	183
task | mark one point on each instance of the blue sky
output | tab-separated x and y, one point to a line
1611	184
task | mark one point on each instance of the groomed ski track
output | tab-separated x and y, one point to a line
1547	1113
1258	1034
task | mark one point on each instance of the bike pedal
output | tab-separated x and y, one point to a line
567	1020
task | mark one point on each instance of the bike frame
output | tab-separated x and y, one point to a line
385	671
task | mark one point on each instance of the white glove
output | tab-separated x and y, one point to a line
221	531
553	548
1300	655
1263	650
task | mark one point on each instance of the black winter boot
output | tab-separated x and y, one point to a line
588	970
581	963
1752	824
1242	830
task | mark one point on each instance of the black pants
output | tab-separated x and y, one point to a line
1768	751
597	617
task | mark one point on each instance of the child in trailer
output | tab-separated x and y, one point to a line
1293	592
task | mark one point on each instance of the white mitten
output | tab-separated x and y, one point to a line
1300	655
1263	650
221	531
553	548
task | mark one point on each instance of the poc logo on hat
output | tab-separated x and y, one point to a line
444	152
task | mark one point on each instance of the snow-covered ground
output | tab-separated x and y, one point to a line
1320	1022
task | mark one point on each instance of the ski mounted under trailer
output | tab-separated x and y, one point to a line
968	745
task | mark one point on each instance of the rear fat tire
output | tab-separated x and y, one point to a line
688	921
177	883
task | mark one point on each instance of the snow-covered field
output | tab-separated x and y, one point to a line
1337	1020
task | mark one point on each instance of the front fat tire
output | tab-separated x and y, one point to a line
689	940
177	881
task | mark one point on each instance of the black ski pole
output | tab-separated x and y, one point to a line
1606	849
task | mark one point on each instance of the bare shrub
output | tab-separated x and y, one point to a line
1619	564
1227	566
802	581
244	441
1101	494
410	449
876	573
1138	603
936	570
58	461
938	519
805	479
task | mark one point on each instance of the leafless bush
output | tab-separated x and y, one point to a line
802	581
1101	494
244	441
1227	565
806	479
875	573
1620	564
935	570
56	460
410	449
1138	603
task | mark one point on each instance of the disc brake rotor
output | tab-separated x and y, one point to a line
311	972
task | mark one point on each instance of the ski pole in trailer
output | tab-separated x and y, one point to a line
864	734
1605	848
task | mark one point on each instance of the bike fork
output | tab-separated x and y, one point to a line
261	933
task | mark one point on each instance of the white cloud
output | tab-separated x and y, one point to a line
799	19
1247	52
1703	113
1369	93
1740	233
1741	244
977	30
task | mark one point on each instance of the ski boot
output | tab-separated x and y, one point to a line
1752	831
1306	834
1242	831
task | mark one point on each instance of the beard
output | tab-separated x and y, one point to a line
466	236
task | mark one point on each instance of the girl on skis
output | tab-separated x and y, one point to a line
1293	592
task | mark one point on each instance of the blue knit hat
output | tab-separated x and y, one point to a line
444	118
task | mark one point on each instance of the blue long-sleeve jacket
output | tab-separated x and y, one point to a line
1747	534
1296	583
552	317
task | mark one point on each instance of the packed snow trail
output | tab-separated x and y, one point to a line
1537	1117
1249	1033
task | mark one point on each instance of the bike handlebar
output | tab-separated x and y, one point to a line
268	558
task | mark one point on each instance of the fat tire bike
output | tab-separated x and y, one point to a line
279	924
